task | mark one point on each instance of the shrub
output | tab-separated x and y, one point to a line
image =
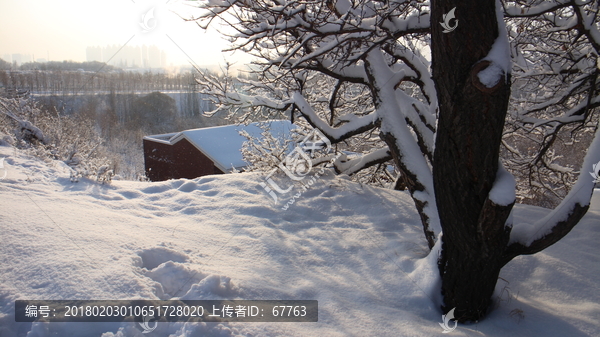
50	135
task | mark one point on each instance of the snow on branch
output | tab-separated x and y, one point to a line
353	127
309	35
414	60
393	112
25	130
234	95
352	166
587	19
517	10
496	65
503	191
530	238
556	100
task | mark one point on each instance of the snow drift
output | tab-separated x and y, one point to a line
358	250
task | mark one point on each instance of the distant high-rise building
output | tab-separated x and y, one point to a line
19	59
16	59
154	57
93	54
128	56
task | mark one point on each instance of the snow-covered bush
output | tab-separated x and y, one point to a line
126	153
265	152
50	135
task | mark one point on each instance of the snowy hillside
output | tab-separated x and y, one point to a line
356	249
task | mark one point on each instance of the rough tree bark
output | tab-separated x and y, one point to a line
471	119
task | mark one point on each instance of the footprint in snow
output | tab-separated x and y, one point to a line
173	277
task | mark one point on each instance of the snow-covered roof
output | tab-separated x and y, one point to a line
223	144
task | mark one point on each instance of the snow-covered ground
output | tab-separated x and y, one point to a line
356	249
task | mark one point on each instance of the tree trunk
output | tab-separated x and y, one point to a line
471	119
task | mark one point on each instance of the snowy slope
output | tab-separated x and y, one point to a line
356	249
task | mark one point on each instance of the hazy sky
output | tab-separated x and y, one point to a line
62	29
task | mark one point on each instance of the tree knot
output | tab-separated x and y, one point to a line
487	77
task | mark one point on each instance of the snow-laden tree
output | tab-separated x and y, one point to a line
354	68
555	74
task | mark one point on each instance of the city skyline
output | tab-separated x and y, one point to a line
36	30
128	56
120	56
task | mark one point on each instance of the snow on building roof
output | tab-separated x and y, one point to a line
223	144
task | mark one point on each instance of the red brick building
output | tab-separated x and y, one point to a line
199	152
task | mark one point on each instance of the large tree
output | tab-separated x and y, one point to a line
358	69
155	112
